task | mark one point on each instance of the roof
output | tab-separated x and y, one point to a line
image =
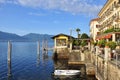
96	19
61	34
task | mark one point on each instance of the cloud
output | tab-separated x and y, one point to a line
2	1
87	7
8	1
37	14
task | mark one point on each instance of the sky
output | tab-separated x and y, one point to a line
48	16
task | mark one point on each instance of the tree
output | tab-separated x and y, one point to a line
78	30
84	36
83	43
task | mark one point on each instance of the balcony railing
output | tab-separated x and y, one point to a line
115	59
117	5
112	30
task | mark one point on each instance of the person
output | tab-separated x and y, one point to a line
114	54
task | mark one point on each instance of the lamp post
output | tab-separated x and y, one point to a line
71	40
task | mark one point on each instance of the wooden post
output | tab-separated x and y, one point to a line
38	53
46	47
43	46
38	47
9	57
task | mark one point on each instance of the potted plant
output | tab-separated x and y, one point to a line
101	43
111	45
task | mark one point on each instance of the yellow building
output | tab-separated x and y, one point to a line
109	22
61	41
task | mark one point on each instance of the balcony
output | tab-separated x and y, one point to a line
117	5
112	30
108	12
117	19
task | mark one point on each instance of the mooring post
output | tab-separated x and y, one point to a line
46	47
38	47
9	57
43	46
38	53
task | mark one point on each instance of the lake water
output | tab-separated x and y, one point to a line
26	64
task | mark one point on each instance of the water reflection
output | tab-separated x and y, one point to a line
24	61
38	53
38	60
9	69
60	64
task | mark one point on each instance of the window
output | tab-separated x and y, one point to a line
61	42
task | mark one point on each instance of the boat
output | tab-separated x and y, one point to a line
66	72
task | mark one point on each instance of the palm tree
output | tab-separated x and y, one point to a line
78	30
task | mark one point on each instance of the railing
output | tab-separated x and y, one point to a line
106	63
115	59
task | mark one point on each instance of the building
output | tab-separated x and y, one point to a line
93	29
62	46
109	21
61	41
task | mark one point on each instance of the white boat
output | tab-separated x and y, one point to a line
66	72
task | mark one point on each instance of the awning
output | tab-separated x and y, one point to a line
104	37
108	36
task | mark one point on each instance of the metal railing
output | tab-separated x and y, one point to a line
115	59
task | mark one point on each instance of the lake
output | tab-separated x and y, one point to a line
27	65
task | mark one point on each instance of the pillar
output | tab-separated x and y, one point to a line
96	60
113	37
89	45
107	53
70	46
55	43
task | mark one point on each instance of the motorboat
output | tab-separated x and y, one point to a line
66	72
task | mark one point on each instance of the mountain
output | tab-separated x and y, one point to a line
4	36
36	37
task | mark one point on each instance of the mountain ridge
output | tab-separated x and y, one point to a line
5	36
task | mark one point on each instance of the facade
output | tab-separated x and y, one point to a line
105	60
109	22
93	29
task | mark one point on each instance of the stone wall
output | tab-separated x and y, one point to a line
61	53
105	67
113	71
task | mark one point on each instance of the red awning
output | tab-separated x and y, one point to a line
108	36
104	37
